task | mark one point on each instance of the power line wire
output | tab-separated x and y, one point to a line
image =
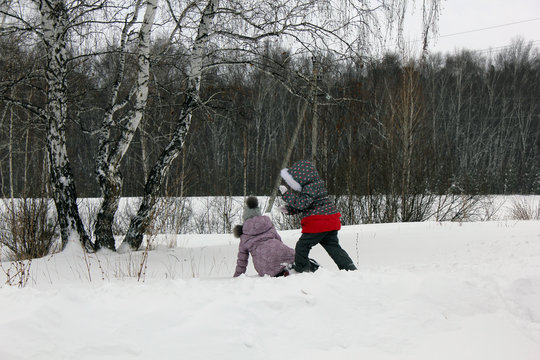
499	48
470	31
488	28
534	43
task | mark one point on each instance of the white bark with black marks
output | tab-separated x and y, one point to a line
156	178
55	22
112	151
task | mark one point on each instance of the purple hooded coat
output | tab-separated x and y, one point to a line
260	239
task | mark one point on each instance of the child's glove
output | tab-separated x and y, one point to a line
282	189
283	209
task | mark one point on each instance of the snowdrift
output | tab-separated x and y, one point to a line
423	291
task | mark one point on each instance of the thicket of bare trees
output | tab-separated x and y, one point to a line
466	122
73	38
455	123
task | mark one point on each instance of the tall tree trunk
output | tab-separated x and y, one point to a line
111	154
288	153
10	152
315	119
183	174
2	119
139	224
144	153
26	161
244	162
55	22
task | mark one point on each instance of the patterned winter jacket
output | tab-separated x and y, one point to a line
310	198
260	239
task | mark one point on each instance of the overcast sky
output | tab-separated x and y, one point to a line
502	21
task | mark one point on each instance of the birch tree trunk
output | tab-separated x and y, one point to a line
55	21
144	153
183	174
111	152
139	224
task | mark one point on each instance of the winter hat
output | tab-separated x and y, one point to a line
251	208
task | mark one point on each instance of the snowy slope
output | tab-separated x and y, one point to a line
423	291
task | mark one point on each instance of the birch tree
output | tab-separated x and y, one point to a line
112	150
157	175
55	21
53	26
52	23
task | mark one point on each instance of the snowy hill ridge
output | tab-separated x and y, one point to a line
423	291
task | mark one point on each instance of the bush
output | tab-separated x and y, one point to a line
27	228
522	210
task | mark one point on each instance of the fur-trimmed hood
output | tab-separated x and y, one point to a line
302	173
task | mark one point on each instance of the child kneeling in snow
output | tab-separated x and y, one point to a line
259	237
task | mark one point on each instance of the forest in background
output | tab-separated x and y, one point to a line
467	122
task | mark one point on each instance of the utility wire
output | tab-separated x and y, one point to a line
471	31
534	43
499	48
487	28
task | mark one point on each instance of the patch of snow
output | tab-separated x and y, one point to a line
423	291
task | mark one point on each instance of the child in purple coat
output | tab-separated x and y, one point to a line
259	237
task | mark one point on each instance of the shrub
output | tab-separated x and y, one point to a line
27	228
523	210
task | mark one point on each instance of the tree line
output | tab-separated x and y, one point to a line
463	122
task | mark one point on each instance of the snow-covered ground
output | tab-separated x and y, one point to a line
423	291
